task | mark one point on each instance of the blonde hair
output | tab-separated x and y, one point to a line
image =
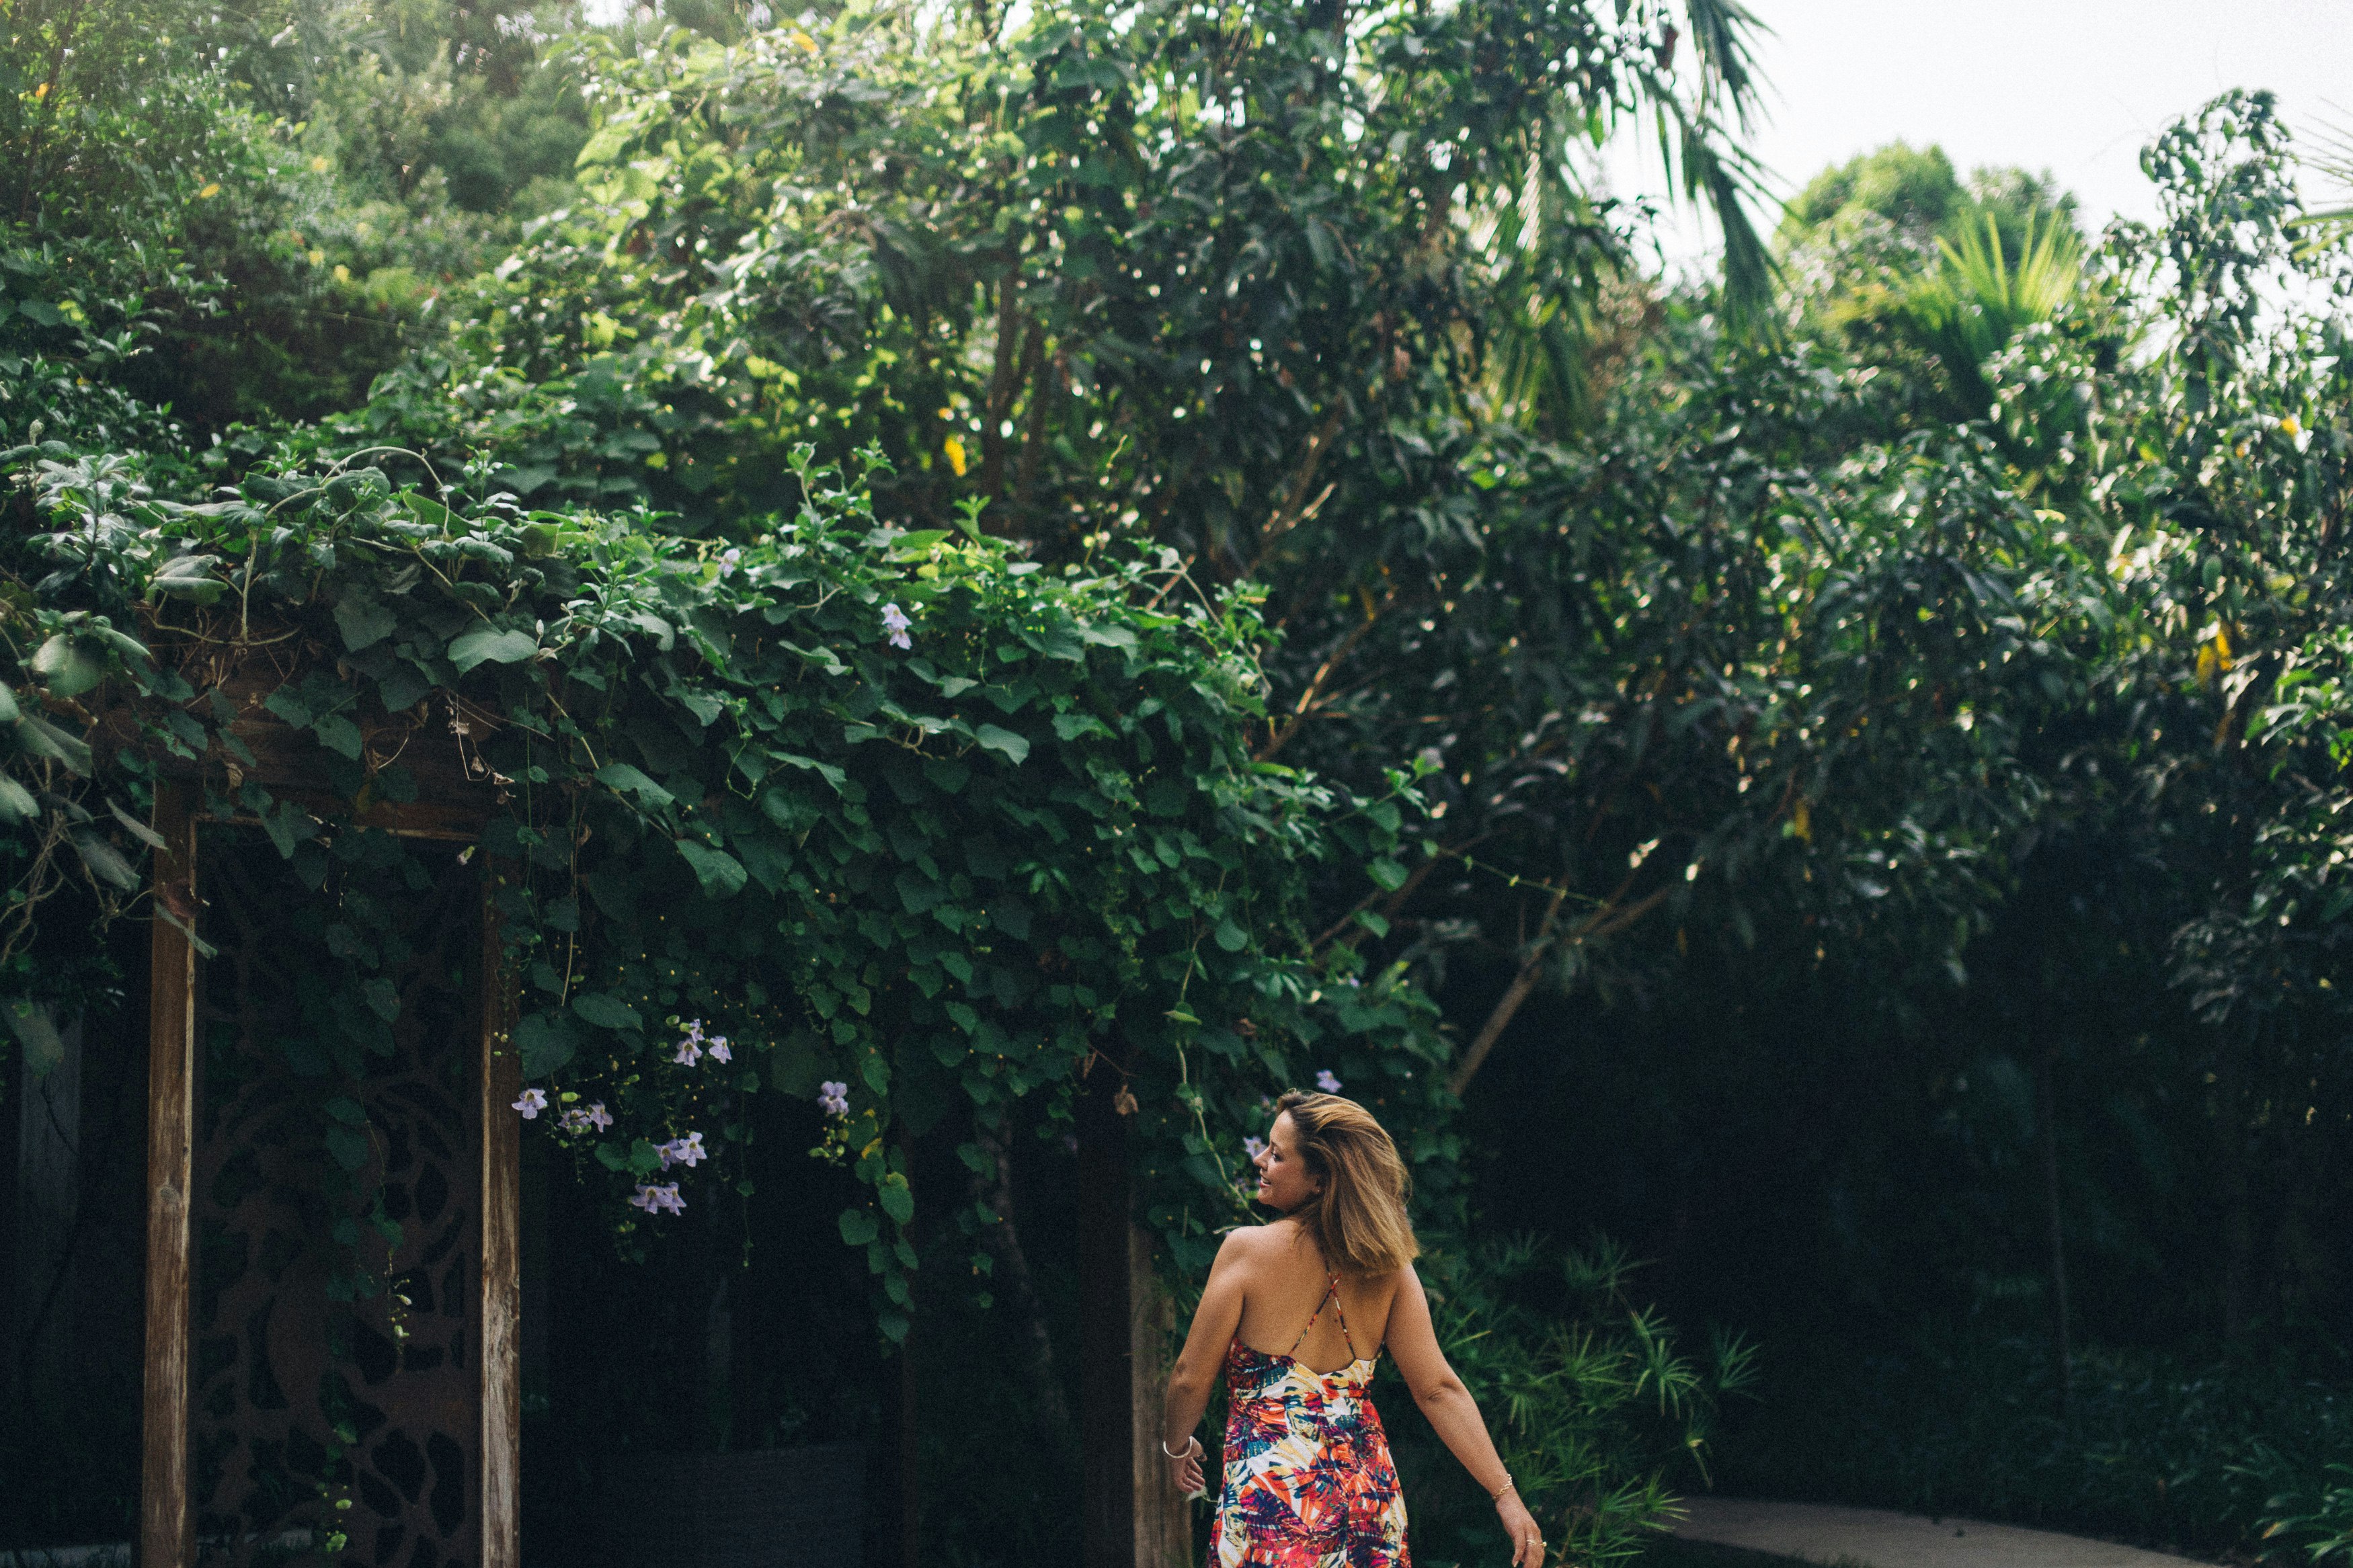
1358	1217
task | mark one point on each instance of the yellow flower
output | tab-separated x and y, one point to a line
211	189
808	43
342	273
320	165
40	92
955	449
2288	426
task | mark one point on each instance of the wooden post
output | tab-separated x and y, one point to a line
166	1525
501	1310
1163	1516
1107	1435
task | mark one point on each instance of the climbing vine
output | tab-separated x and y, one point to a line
886	820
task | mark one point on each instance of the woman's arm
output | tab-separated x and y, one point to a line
1205	1342
1413	1344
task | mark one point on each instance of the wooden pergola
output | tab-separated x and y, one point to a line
1133	1518
450	809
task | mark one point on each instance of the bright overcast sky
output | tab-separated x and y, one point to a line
2076	87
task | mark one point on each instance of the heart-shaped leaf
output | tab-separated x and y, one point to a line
486	644
67	667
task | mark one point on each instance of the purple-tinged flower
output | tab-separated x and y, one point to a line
719	1051
659	1198
575	1120
1326	1082
533	1103
728	561
689	1051
834	1097
1254	1147
687	1151
596	1115
896	624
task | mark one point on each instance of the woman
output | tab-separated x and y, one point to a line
1308	1478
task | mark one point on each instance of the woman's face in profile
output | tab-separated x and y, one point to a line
1282	1180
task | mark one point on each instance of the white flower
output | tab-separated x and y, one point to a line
896	624
719	1051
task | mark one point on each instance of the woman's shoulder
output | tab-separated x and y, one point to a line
1249	1243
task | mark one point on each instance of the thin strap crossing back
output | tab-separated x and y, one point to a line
1331	1294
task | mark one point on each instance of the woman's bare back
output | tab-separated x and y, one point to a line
1283	1292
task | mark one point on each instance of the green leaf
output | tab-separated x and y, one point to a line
383	998
541	540
364	622
485	645
858	1227
622	778
43	1047
43	739
546	1043
134	827
9	712
1388	873
349	1148
721	875
105	862
68	667
1014	747
897	1200
1230	935
339	734
347	1111
607	1012
16	804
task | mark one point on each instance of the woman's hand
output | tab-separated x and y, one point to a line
1520	1525
1186	1471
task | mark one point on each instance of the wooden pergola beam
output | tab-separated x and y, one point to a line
167	1523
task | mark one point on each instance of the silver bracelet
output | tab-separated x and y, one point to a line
1192	1446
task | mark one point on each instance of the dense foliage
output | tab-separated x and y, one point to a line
1299	601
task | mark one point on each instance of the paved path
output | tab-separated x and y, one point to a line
1874	1538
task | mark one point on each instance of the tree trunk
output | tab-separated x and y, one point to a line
2046	1137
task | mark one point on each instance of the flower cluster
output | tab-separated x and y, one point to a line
834	1098
659	1198
896	623
590	1118
694	1043
687	1151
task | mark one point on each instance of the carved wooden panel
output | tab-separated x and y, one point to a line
282	1376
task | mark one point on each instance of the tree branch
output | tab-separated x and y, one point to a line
1609	918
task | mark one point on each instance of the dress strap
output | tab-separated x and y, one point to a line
1331	1294
1340	1313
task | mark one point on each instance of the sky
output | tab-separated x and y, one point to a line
2076	87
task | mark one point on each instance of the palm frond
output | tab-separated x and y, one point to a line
1721	31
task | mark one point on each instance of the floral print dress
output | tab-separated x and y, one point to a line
1309	1483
